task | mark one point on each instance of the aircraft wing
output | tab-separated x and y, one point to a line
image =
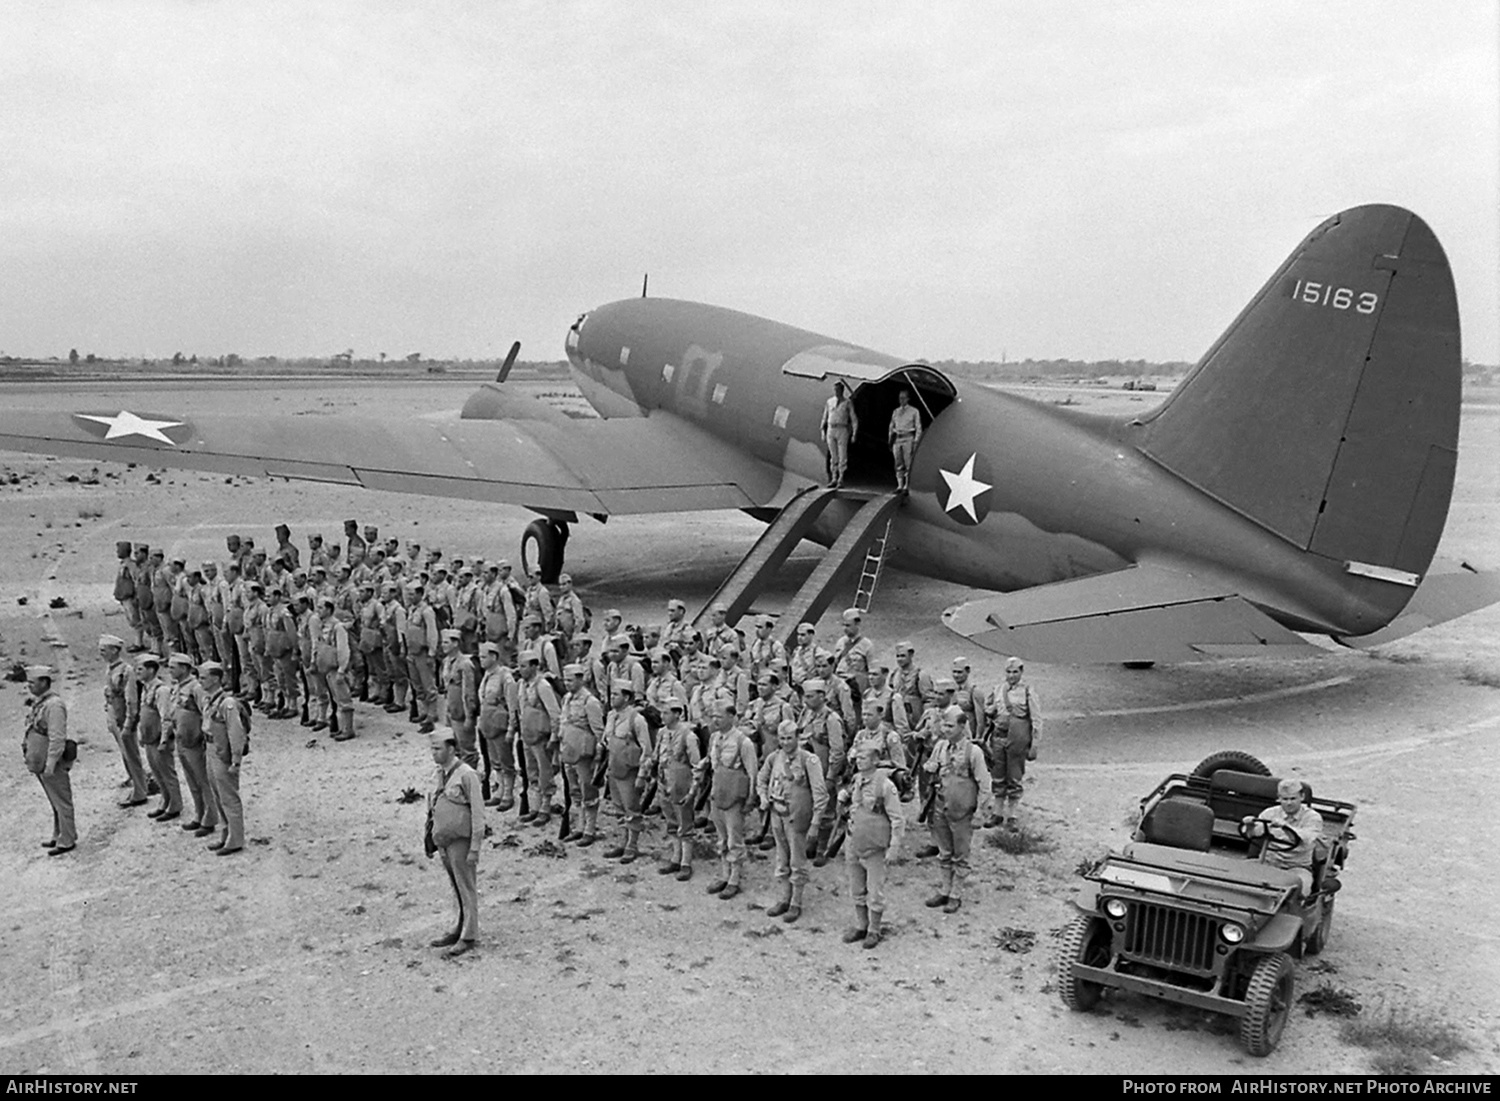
1142	613
659	463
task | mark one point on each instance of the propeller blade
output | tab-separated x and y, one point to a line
510	361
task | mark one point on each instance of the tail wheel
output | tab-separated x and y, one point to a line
1230	759
1317	940
542	548
1268	1002
1086	941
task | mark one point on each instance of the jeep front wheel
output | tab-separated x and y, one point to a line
1268	1001
1085	941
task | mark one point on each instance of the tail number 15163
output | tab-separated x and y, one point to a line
1338	298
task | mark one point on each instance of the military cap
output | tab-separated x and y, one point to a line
413	545
815	684
960	662
351	524
38	672
466	572
207	565
248	541
325	602
259	553
390	588
417	586
623	685
146	547
344	567
904	647
443	735
179	561
210	667
618	642
300	573
122	548
314	538
714	659
367	583
953	714
768	677
660	654
805	629
766	621
613	613
111	640
320	569
527	657
945	684
493	567
180	659
572	669
730	651
371	531
719	606
257	587
450	635
565	579
677	703
675	603
502	564
727	706
274	593
150	659
158	553
853	615
440	568
531	621
1014	663
786	726
489	648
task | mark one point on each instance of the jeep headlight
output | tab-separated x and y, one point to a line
1114	907
1232	933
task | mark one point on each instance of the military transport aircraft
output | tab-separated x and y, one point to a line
1298	479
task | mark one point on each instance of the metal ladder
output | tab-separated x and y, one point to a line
874	561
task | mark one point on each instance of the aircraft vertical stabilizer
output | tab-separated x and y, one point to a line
1328	412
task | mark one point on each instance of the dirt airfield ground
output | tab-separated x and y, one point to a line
141	953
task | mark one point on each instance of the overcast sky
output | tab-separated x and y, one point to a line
1091	180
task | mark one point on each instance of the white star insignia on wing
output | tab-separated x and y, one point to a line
963	487
128	424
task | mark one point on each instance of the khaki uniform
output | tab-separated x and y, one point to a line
498	700
188	702
838	427
792	786
121	710
677	758
371	647
227	742
457	808
393	636
461	691
45	746
537	721
732	755
904	432
332	658
963	781
628	743
765	655
421	639
1017	724
851	658
581	725
876	825
157	739
764	717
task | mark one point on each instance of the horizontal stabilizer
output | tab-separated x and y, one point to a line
1447	592
1144	613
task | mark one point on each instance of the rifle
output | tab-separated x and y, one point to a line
765	828
840	830
519	754
927	803
566	826
601	770
484	754
650	794
306	695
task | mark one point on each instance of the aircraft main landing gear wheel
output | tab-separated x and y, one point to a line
542	546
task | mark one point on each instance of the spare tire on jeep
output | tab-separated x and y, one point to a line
1230	759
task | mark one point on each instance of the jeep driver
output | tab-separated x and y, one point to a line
1290	829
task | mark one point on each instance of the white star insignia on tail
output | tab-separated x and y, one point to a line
963	487
128	424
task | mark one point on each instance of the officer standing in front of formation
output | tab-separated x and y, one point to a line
731	755
1017	726
677	758
228	741
903	435
580	730
188	704
876	825
497	701
790	783
957	767
49	755
120	709
455	810
627	741
839	426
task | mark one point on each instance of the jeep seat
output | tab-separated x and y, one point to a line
1235	795
1179	824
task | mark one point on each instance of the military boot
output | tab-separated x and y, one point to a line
632	847
333	721
861	926
614	852
671	864
732	888
685	871
717	885
785	904
872	935
940	898
794	911
346	724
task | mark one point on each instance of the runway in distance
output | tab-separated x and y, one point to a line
1297	480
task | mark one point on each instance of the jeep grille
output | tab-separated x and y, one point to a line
1180	939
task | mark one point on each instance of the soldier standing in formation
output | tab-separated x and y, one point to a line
1017	724
497	702
957	767
581	729
188	704
731	754
676	764
628	743
228	741
790	783
876	825
156	737
120	710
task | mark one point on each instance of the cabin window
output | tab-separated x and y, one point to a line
624	356
719	391
779	418
667	371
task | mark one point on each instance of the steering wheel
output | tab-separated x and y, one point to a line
1278	837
